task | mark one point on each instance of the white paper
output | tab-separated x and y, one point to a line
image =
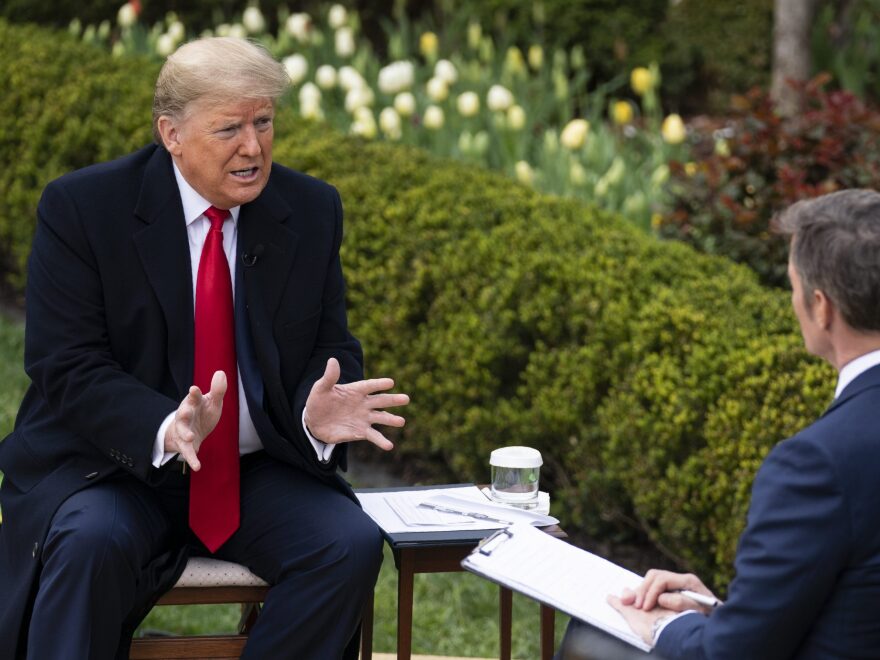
505	515
376	506
552	571
413	514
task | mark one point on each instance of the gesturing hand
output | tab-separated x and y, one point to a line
195	418
342	413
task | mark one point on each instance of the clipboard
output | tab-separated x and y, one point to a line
558	574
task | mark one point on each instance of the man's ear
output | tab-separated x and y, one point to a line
823	309
170	134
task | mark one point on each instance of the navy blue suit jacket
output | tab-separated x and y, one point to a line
807	581
109	339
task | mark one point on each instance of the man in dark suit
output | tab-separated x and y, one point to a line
807	579
185	304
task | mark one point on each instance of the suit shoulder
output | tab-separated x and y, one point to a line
101	177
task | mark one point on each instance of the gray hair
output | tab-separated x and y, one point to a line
216	69
835	247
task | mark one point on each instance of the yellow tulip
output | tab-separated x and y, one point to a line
428	44
574	134
536	57
641	80
622	113
673	129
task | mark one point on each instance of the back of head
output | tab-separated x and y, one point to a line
216	69
835	248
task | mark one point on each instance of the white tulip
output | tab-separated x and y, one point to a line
438	89
126	16
358	97
223	30
446	71
309	94
344	42
237	30
299	26
349	78
405	104
499	98
577	174
337	16
165	45
176	31
468	104
253	20
297	66
433	118
524	172
389	122
311	111
516	117
396	77
325	76
575	134
364	123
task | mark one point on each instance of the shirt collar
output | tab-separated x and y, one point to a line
194	204
854	369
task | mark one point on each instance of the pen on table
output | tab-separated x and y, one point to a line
474	514
708	601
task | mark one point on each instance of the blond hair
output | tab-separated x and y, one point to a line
215	69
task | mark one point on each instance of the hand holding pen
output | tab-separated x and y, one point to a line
672	591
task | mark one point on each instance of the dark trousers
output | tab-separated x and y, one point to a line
107	544
585	642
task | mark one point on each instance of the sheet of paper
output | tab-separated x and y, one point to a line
416	515
555	572
377	507
484	507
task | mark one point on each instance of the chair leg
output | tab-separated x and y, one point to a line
249	614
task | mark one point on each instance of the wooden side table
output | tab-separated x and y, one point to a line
442	552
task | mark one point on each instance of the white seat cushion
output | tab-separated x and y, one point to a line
207	572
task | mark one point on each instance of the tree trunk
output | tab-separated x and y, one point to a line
792	24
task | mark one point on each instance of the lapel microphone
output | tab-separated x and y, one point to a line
250	258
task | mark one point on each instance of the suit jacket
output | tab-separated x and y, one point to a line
807	579
109	340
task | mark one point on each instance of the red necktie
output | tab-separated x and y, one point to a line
213	493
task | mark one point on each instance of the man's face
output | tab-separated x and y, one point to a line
224	151
809	327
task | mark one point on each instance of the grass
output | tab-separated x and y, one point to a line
453	613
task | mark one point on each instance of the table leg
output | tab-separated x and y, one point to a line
404	605
367	629
548	631
505	607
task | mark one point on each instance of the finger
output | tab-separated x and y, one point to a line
388	400
628	597
188	453
218	385
331	376
379	440
372	385
386	419
673	600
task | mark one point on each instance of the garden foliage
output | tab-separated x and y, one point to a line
652	378
724	201
65	105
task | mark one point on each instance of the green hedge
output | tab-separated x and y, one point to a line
64	105
653	379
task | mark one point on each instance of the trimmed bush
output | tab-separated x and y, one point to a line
652	378
65	105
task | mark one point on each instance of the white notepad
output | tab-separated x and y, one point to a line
554	572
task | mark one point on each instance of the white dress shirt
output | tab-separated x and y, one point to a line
197	227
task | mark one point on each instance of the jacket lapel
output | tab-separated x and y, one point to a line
267	248
163	246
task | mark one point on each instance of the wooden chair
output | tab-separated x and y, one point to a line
207	581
